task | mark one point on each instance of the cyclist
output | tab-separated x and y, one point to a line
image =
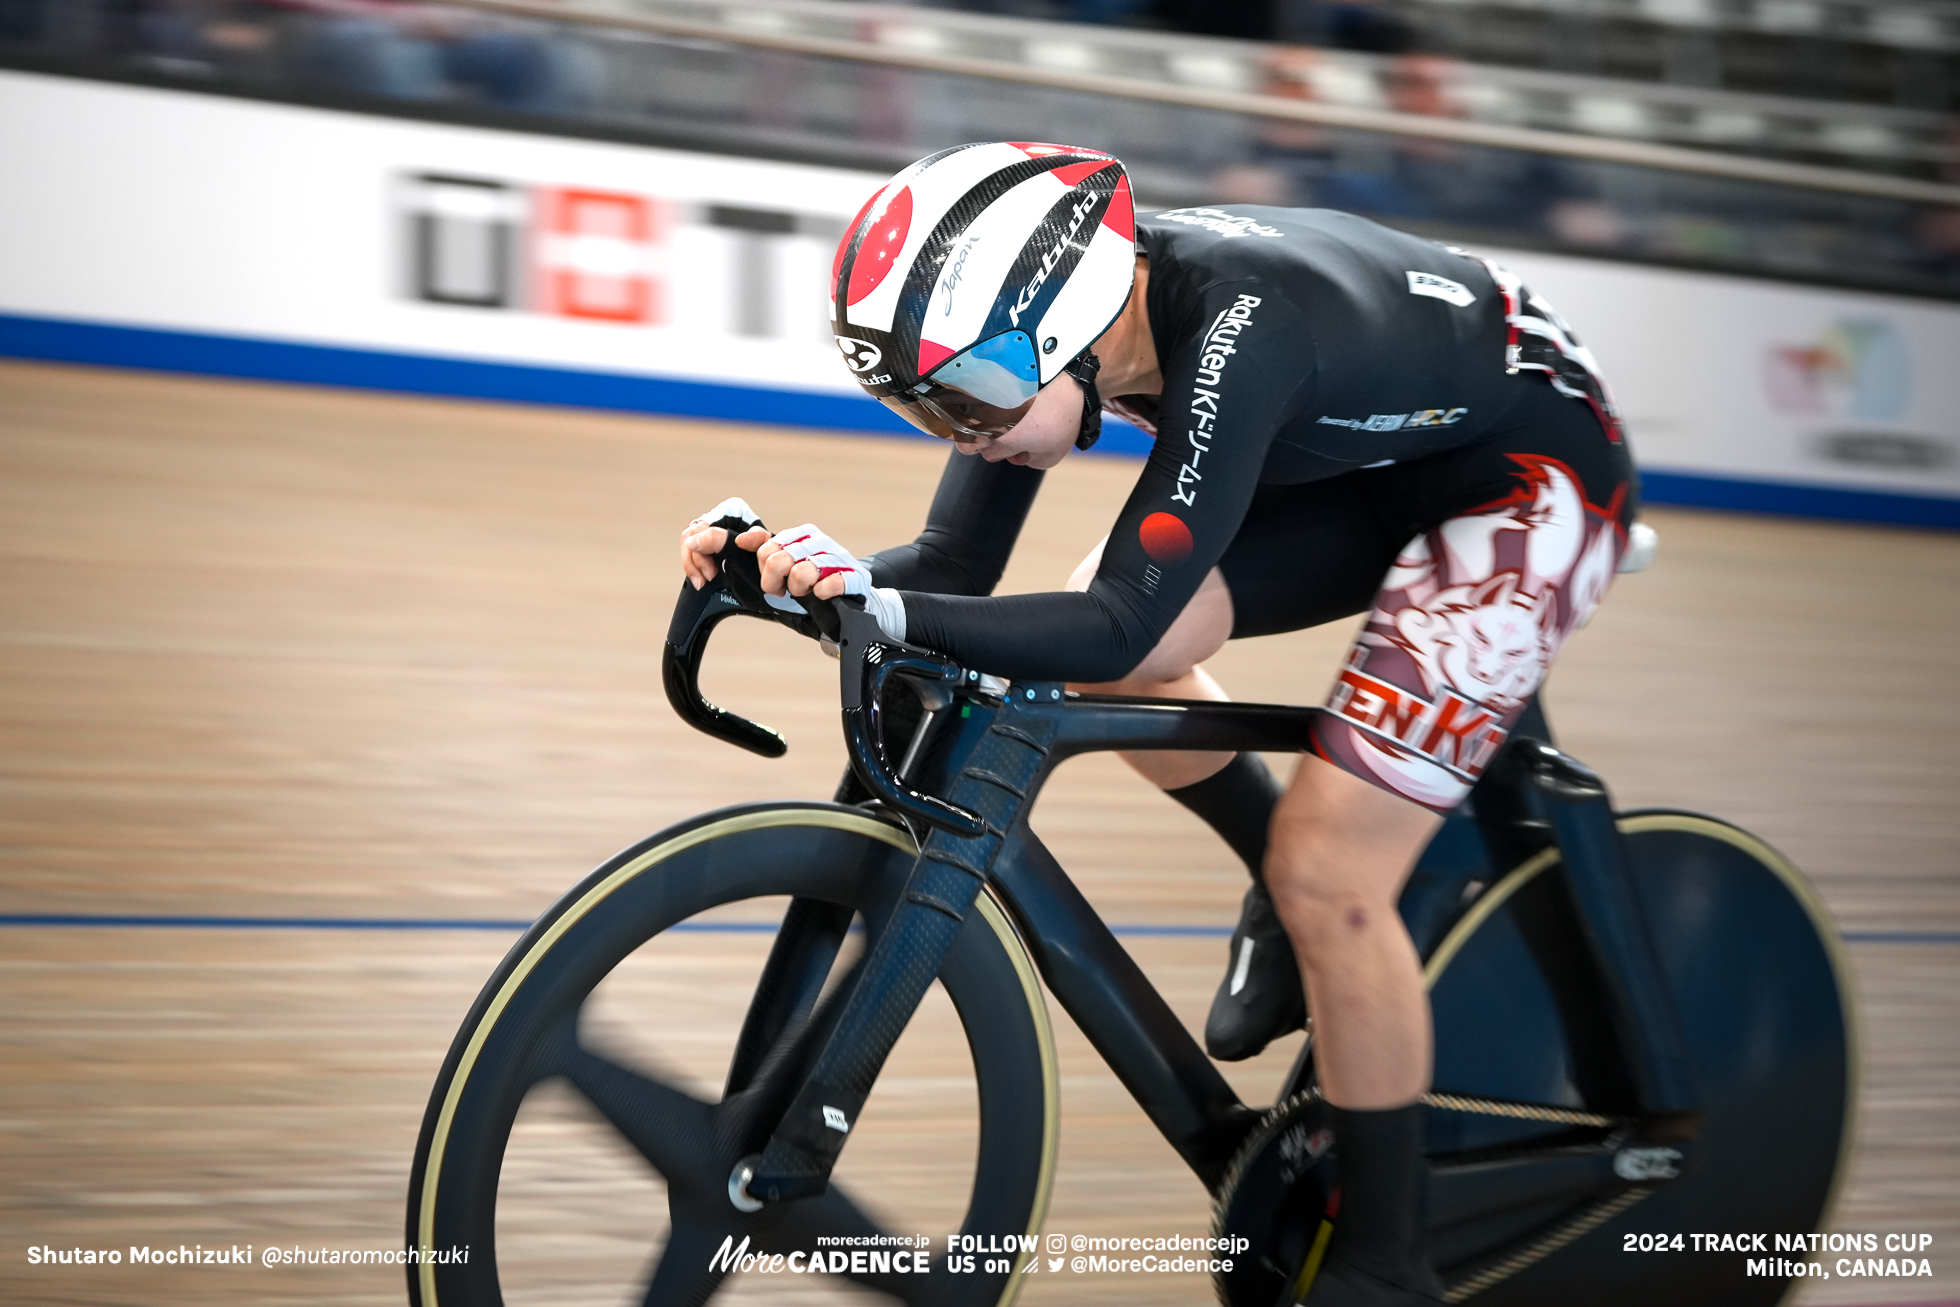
1346	419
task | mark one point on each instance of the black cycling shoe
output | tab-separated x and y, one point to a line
1261	997
1339	1284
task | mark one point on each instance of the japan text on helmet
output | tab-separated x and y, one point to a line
979	275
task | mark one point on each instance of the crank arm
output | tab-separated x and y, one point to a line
1464	1191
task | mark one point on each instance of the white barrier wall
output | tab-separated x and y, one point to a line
276	241
1761	381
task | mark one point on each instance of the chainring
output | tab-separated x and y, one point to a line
1275	1196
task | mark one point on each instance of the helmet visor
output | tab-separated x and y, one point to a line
980	392
951	415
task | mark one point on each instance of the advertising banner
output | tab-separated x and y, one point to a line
171	229
1792	388
593	264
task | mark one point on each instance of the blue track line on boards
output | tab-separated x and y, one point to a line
1787	499
1143	929
61	340
58	340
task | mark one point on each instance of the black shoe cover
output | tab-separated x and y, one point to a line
1340	1285
1376	1257
1260	998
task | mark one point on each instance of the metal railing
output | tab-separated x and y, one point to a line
1878	52
1856	136
1904	24
886	85
899	39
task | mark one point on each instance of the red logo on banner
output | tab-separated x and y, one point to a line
597	256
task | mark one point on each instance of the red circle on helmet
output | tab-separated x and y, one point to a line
1166	539
844	245
879	250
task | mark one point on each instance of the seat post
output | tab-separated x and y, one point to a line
1578	814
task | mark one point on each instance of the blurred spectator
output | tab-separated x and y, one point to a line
1343	25
207	38
1421	83
1289	73
398	57
22	20
1938	238
1288	156
1936	232
1251	20
407	51
1414	178
1588	224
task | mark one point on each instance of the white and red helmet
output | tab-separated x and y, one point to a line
978	275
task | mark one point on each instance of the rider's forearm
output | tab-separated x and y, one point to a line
1058	636
929	566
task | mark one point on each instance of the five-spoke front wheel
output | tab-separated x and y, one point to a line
663	1012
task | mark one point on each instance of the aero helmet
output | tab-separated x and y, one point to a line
977	276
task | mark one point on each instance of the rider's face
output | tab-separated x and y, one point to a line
1041	439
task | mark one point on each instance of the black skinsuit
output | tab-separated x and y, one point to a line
1331	388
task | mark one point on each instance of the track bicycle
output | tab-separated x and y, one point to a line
1641	1020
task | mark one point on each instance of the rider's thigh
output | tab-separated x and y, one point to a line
1514	542
1340	842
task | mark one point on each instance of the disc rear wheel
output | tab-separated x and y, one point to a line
1525	1060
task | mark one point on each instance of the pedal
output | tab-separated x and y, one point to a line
1646	1165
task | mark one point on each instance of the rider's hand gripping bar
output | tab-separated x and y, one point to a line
868	658
735	591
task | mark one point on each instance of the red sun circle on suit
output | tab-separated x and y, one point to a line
1165	538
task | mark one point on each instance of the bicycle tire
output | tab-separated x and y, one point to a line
1752	961
834	863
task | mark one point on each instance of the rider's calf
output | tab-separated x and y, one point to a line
1340	851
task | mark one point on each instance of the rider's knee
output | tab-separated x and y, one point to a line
1324	913
1323	903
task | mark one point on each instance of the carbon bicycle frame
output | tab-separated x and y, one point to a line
977	764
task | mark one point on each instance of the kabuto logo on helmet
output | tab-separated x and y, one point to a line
860	355
1083	208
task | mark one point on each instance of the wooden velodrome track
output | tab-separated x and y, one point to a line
277	652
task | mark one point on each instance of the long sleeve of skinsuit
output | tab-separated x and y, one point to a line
1232	378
